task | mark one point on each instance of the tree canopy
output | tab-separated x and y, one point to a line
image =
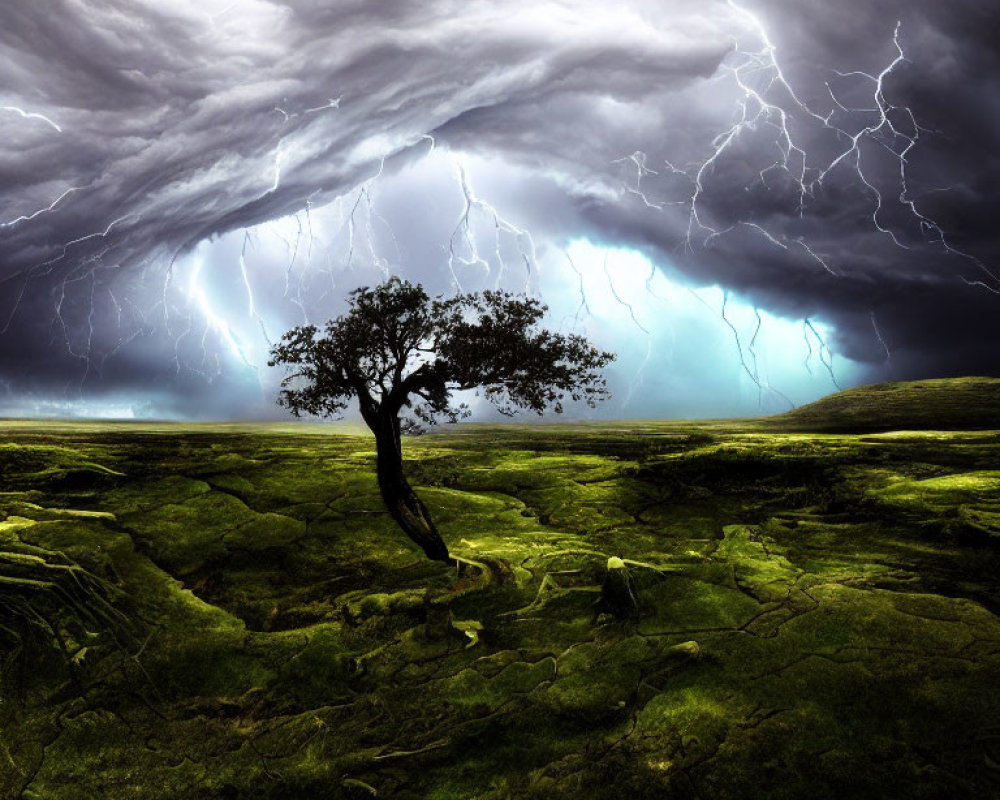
403	354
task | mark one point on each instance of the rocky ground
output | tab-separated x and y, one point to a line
206	613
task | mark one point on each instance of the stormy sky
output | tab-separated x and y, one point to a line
751	204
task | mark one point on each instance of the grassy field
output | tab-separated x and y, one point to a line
952	403
202	612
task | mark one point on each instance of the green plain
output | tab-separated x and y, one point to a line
818	614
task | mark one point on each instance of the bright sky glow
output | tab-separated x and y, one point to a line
670	334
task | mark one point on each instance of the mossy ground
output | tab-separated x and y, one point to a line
818	615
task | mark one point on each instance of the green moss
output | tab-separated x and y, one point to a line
949	404
941	493
679	604
265	532
237	484
817	615
315	672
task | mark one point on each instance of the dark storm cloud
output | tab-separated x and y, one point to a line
192	126
179	121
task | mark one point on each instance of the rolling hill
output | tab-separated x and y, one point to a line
939	404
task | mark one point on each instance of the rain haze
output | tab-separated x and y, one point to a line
753	204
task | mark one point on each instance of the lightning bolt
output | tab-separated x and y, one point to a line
75	274
332	103
82	259
824	352
882	341
252	305
638	160
278	155
739	346
762	384
285	116
751	349
365	194
31	115
858	133
465	235
213	320
96	235
293	249
638	379
373	216
86	273
809	348
614	294
46	210
892	129
584	305
755	112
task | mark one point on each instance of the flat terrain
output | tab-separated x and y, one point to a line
228	612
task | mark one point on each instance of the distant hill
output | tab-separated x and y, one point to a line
940	404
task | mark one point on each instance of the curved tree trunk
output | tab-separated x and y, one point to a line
402	502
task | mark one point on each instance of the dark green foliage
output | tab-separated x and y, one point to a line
397	347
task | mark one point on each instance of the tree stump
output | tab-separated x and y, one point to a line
618	597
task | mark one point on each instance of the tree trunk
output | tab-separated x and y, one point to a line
402	502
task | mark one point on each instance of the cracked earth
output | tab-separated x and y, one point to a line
817	616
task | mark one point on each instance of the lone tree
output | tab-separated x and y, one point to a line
403	354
